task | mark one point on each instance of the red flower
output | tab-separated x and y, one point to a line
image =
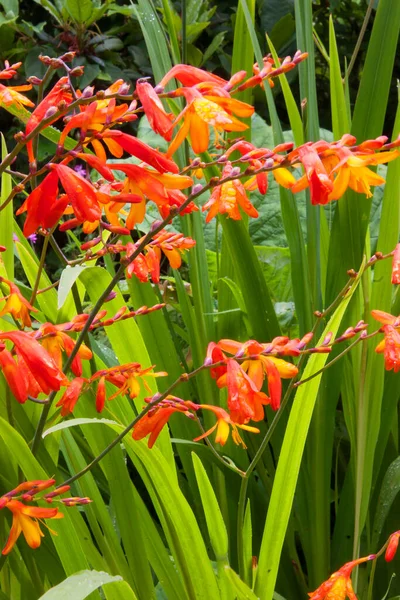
43	368
71	396
16	304
338	586
153	421
159	120
61	92
14	376
392	546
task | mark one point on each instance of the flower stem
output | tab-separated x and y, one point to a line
40	269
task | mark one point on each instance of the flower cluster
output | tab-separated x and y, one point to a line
27	518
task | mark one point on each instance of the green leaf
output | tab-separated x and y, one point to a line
241	589
6	218
340	122
75	423
79	10
80	585
68	277
215	522
289	462
389	490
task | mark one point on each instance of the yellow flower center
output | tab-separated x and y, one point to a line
211	113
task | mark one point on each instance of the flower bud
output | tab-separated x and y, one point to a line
77	71
34	80
50	112
68	57
197	188
392	546
88	92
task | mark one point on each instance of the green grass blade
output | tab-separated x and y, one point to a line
340	122
289	464
6	218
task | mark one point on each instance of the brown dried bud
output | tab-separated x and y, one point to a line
46	60
19	137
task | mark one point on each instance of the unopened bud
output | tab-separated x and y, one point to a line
235	172
87	92
56	63
156	224
46	60
68	57
77	71
197	188
100	94
50	112
34	80
110	296
124	89
352	273
159	89
222	159
19	137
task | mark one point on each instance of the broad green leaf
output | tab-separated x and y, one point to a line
340	122
68	277
80	10
289	462
80	585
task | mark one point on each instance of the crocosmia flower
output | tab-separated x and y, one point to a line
223	426
228	197
339	586
390	345
25	520
392	546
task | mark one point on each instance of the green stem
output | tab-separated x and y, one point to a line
360	37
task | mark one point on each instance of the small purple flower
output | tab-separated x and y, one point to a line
80	169
33	238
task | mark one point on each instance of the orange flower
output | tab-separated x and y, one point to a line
189	76
261	366
392	546
10	95
25	520
332	168
159	120
56	341
43	368
15	376
16	304
45	207
396	266
71	396
226	199
161	188
390	345
338	586
316	175
60	93
223	425
142	151
245	401
153	421
205	111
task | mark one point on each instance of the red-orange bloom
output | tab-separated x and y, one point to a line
61	92
161	188
25	520
189	76
15	376
203	112
339	586
159	120
71	396
16	304
43	368
142	151
396	266
316	175
245	401
223	424
153	421
392	546
56	341
228	197
45	207
390	345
